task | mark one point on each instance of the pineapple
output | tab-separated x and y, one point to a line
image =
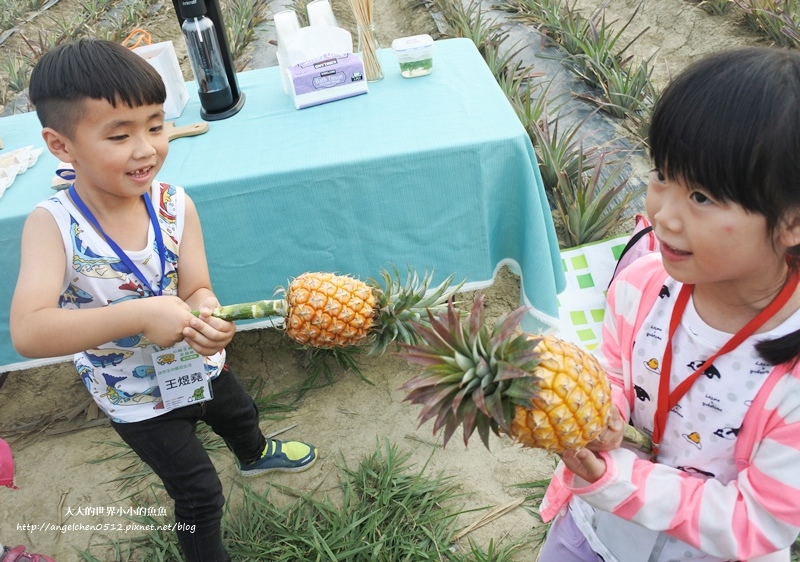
326	311
543	392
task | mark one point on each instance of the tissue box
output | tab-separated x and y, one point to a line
326	78
162	57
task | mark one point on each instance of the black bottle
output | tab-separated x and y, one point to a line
206	57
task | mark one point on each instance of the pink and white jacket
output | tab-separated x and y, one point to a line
756	513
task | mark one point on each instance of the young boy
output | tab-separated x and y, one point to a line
111	270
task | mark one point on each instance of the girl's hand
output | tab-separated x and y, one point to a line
585	464
206	334
611	437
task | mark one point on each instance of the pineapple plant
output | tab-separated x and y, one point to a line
329	311
543	392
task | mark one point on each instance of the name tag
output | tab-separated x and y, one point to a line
181	375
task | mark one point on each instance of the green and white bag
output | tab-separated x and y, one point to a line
589	270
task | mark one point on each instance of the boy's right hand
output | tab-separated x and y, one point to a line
164	318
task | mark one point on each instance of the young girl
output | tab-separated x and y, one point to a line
701	342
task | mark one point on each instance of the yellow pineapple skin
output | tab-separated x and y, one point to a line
574	402
327	310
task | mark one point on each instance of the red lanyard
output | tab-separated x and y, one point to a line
666	399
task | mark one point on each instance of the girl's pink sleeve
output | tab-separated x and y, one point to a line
641	280
628	301
753	515
610	351
610	356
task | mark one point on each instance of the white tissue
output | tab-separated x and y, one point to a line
16	162
312	42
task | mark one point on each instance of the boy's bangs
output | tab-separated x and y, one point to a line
138	84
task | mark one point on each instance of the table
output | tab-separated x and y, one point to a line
435	173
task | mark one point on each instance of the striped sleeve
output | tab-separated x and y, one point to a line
753	515
628	300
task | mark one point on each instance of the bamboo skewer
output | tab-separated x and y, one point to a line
362	10
489	517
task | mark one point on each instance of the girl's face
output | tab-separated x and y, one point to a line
706	241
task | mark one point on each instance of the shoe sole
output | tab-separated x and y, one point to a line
259	472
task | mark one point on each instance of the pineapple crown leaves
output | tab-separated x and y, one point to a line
402	306
471	374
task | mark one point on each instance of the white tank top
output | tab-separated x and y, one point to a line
120	374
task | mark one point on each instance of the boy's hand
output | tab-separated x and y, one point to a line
164	319
611	437
207	334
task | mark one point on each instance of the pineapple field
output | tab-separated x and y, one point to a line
85	492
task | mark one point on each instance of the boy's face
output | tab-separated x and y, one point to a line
116	151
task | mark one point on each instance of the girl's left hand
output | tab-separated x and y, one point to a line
612	435
585	464
207	334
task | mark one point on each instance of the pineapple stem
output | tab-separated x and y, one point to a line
638	439
250	310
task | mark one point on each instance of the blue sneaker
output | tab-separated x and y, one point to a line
281	456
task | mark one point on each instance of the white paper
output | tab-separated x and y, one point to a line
162	57
16	162
308	43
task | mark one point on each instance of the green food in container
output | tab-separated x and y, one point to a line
415	55
416	68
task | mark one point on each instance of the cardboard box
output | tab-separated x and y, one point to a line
162	57
327	78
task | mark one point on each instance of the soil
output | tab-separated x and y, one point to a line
55	437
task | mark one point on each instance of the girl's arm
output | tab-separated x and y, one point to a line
753	515
637	283
39	328
625	296
206	334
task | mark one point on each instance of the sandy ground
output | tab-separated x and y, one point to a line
57	482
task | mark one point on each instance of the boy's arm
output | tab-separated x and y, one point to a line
206	334
39	328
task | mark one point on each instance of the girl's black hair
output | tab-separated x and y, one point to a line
730	123
89	68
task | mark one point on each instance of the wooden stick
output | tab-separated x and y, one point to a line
279	431
362	10
489	517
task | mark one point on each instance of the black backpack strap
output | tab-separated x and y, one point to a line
631	243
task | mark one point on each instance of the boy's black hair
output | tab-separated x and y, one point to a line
730	124
90	68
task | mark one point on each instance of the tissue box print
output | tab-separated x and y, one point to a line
327	78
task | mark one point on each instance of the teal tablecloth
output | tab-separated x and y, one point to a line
433	172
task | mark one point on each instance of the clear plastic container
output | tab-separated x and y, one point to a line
415	55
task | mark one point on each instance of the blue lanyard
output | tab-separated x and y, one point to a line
119	251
